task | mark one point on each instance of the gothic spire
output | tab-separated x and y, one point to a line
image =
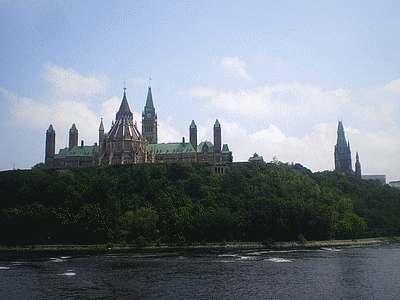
149	101
101	128
358	166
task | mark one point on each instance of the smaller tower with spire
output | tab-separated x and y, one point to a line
50	146
358	167
73	137
193	135
101	135
217	137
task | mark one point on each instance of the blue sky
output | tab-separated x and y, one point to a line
277	74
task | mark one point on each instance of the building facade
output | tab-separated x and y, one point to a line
125	144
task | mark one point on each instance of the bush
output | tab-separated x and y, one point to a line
96	248
301	239
140	242
269	243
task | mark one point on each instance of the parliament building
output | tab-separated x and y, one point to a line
125	144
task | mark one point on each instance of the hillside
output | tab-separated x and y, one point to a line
187	203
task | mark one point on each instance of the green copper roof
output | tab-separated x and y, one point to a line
192	125
206	145
225	148
77	151
51	129
149	101
217	124
73	128
170	148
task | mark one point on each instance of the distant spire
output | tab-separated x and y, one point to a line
358	167
101	128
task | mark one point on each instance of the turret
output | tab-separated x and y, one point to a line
217	137
358	167
73	137
50	146
193	135
101	134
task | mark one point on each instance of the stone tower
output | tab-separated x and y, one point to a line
193	135
149	120
73	137
217	137
217	141
342	151
50	146
358	167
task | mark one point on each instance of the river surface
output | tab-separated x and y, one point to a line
366	272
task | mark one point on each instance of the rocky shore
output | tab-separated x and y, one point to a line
8	253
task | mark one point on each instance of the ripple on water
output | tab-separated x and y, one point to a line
278	260
4	268
331	249
68	274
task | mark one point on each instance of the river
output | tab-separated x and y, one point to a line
364	272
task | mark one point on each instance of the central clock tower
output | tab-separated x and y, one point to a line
149	120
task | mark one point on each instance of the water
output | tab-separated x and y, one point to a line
367	272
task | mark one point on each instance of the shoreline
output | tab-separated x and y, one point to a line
7	253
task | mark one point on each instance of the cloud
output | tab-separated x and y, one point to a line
290	100
235	67
69	82
272	133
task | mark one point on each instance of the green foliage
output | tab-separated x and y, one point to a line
301	239
97	248
185	203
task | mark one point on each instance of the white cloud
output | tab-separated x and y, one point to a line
166	132
289	100
69	82
272	133
235	67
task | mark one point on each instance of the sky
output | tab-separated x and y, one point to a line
278	75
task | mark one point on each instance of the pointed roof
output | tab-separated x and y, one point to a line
149	101
340	126
193	125
73	128
50	129
217	124
101	128
124	110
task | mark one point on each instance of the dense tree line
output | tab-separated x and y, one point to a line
186	203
